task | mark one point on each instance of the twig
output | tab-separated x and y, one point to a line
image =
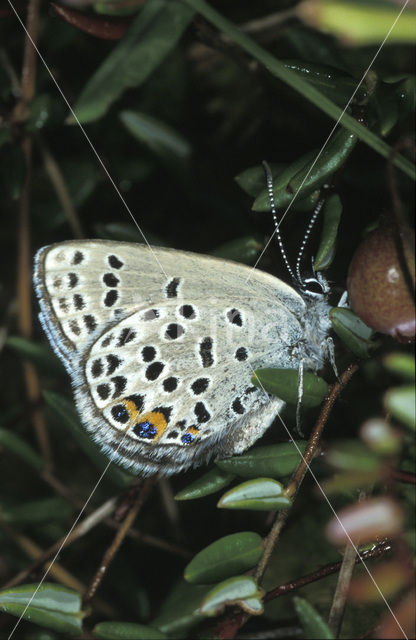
229	627
327	570
27	91
142	493
42	557
58	182
296	480
336	614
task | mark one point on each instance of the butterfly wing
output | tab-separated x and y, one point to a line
161	346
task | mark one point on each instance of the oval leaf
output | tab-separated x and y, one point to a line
401	403
275	461
284	384
44	510
164	141
244	250
12	442
226	557
331	219
180	611
352	331
401	364
263	494
315	173
210	482
281	195
241	590
52	606
151	37
351	455
313	625
126	631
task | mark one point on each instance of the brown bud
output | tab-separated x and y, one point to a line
381	282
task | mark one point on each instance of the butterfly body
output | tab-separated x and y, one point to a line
161	345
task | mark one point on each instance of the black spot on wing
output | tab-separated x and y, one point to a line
205	351
201	412
73	280
174	331
111	298
148	354
90	323
171	288
154	370
120	383
126	335
113	362
79	302
114	262
187	311
170	384
200	385
77	258
234	317
110	280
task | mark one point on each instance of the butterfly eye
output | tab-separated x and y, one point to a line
313	286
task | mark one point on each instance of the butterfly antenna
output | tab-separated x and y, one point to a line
269	181
306	237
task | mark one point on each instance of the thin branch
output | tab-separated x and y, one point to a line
311	451
336	614
229	627
58	181
143	490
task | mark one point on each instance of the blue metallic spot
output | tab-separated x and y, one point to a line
145	430
120	413
188	438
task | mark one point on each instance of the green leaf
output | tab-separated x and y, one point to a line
37	511
351	455
281	196
164	141
262	494
241	590
333	83
180	611
66	411
40	354
331	219
402	364
315	173
253	180
301	85
153	34
284	384
244	250
14	443
313	624
54	606
126	631
352	331
362	24
225	557
274	461
401	402
210	482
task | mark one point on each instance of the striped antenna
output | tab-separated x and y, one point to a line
312	221
269	181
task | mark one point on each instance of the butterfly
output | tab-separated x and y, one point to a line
161	346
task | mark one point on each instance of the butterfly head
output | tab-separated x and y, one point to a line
314	286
